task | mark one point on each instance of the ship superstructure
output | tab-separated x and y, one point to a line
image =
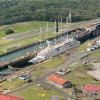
53	50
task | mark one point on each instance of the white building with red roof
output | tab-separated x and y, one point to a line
91	88
59	81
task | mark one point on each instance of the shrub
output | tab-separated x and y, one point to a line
9	31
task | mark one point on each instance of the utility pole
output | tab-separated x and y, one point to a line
57	29
56	24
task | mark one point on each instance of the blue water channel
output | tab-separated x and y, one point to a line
33	48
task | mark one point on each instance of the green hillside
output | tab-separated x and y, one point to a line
12	11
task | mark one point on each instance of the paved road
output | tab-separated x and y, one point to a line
28	34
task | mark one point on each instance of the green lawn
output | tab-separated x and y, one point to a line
96	54
12	84
79	76
23	27
31	25
36	38
48	64
53	62
83	47
24	42
37	93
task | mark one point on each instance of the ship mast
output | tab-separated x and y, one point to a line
55	31
70	17
47	41
40	38
68	23
61	28
67	26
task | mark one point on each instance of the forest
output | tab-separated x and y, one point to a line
13	11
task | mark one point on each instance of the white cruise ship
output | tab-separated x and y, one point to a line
53	50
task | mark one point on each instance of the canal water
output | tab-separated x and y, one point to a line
33	48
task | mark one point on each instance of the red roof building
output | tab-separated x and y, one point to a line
59	81
6	97
91	88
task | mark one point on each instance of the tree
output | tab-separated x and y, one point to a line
9	31
12	11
